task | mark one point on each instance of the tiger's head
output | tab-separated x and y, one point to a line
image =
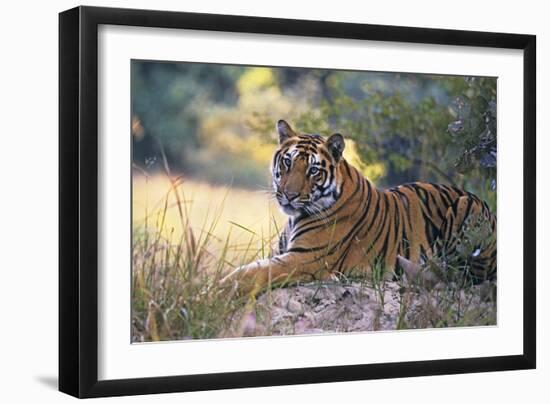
305	170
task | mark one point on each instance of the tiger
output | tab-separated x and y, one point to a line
339	221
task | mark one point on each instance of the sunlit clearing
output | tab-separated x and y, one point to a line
250	218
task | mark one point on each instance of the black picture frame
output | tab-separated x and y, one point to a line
78	201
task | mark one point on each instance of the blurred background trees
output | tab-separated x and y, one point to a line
215	123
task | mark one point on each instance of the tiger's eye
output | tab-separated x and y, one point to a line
287	162
313	171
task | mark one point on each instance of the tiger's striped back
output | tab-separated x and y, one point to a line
367	224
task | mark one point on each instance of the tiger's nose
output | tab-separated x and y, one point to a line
290	196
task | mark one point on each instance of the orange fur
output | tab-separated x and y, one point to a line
339	221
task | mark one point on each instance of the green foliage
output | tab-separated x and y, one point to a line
168	99
474	129
429	128
418	127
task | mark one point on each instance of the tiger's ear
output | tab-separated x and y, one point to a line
335	145
285	131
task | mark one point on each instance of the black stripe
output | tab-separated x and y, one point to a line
360	186
437	206
277	259
429	228
407	207
426	200
454	208
354	230
466	213
346	166
342	258
384	249
450	223
307	250
307	230
382	226
444	195
377	207
397	224
325	154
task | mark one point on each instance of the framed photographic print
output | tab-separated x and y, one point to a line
251	201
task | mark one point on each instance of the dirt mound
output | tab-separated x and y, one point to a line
335	307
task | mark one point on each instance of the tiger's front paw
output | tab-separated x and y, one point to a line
248	279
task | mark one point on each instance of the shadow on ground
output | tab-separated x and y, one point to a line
48	381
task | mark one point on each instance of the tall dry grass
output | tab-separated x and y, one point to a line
186	234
